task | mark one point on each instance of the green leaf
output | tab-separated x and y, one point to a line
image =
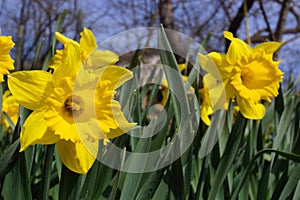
176	180
136	163
263	182
16	184
175	83
46	175
285	121
279	102
291	184
290	156
99	179
11	123
113	192
8	158
59	24
206	40
163	190
297	192
150	186
67	182
228	157
37	54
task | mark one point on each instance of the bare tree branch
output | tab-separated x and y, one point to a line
271	34
236	22
282	20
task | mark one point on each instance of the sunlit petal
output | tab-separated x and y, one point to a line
31	88
75	156
237	48
251	109
88	42
35	131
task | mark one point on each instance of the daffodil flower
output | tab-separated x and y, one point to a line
73	107
249	74
6	62
11	107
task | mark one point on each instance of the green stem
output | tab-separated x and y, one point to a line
47	171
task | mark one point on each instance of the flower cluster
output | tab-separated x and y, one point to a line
73	104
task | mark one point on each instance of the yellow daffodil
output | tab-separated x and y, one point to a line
72	108
206	106
212	96
11	107
249	74
91	56
6	62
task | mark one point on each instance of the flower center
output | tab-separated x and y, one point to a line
74	105
257	74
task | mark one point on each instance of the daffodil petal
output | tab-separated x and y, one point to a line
251	109
87	42
31	88
212	62
71	64
90	130
268	47
117	75
237	48
217	93
57	59
75	156
204	115
6	44
181	67
35	131
6	62
123	125
230	91
165	95
164	83
63	39
101	58
60	127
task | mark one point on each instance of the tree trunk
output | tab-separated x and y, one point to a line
167	20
